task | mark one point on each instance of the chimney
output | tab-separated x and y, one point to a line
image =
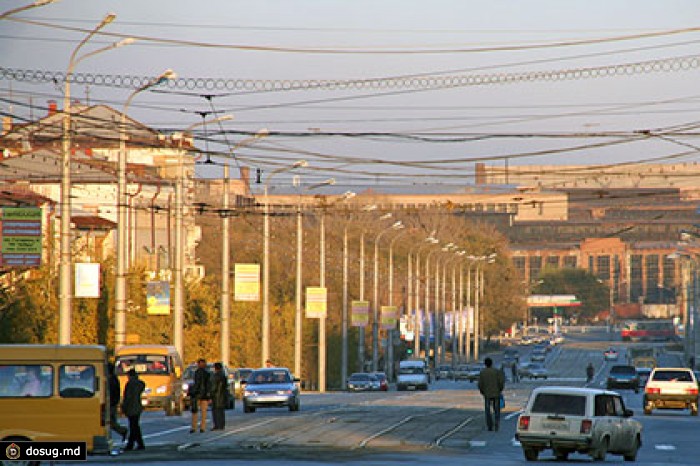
53	107
245	177
6	124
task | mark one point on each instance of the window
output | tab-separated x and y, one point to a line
673	376
143	364
619	406
26	380
76	381
605	405
554	403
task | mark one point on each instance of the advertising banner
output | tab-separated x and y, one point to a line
389	317
359	314
316	302
87	280
20	237
246	282
158	298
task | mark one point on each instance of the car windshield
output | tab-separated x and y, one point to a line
672	376
359	377
556	403
268	376
143	364
536	366
410	370
623	370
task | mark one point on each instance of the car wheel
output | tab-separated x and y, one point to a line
599	454
561	455
632	455
248	409
693	410
531	454
636	389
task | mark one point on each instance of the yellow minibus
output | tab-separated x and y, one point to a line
160	368
55	393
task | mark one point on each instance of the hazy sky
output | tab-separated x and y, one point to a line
409	120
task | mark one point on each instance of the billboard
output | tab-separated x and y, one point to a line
247	282
389	317
359	313
87	280
316	306
20	237
158	298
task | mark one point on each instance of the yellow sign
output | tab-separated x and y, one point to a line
390	316
359	314
316	306
158	298
247	282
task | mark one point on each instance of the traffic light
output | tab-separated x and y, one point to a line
409	352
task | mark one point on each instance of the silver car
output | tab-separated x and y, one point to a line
273	387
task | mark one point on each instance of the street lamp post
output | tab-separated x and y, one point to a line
431	241
20	9
65	293
120	285
265	353
225	246
390	332
375	304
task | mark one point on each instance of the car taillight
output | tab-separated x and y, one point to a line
586	426
524	423
653	390
691	391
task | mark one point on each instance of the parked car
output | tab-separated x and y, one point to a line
271	387
611	354
188	381
444	371
671	388
623	377
461	372
584	420
362	382
240	375
383	381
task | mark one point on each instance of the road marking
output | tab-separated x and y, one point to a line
665	447
512	415
166	432
452	431
477	443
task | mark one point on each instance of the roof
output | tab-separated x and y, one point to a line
570	390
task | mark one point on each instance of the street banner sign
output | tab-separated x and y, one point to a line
389	317
20	237
316	306
246	282
87	280
562	300
158	298
359	314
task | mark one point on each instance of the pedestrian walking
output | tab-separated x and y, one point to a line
491	385
514	372
590	372
219	397
114	398
132	408
200	395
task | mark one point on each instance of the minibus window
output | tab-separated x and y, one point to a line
26	381
143	364
76	381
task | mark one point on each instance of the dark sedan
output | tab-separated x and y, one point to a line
363	382
623	377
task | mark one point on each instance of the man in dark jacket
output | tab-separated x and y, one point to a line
132	408
199	395
114	397
491	384
219	396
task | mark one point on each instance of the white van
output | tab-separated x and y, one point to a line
413	374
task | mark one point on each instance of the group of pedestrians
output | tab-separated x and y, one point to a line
208	388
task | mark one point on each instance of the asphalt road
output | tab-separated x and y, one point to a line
441	426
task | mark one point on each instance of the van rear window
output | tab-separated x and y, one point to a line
556	403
